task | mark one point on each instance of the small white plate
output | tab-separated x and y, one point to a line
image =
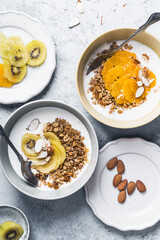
10	213
140	210
14	23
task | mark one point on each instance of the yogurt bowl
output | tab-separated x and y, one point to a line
47	111
143	44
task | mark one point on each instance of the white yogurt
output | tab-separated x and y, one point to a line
152	98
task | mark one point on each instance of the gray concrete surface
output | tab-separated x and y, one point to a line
71	218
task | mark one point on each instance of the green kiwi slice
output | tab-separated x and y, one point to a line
18	55
10	231
37	53
13	73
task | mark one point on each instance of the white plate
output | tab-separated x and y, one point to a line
16	23
46	110
11	213
140	210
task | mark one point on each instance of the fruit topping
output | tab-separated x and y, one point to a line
37	53
10	231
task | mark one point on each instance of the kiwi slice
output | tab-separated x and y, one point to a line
13	73
15	40
6	45
37	53
18	55
10	231
2	37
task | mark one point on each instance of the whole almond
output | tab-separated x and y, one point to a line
117	179
112	163
131	187
120	167
123	185
122	196
140	186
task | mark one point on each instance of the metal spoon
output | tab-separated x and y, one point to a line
25	165
155	17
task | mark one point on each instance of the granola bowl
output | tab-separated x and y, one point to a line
115	93
67	156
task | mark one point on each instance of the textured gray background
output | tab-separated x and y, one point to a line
72	218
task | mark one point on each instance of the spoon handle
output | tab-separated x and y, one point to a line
155	17
3	134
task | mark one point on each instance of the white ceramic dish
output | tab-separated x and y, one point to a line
153	98
140	211
10	213
46	111
135	117
14	23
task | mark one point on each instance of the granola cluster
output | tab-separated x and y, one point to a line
76	154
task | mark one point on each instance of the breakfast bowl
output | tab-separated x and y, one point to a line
145	48
68	140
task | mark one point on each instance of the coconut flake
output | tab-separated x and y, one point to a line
33	125
38	145
65	7
80	7
43	154
121	95
140	73
139	83
151	80
74	22
139	92
47	158
145	81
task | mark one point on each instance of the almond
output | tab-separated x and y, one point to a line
112	163
123	185
131	187
117	179
139	92
120	167
74	22
140	186
122	196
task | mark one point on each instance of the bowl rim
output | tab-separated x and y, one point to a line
22	213
110	122
40	104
